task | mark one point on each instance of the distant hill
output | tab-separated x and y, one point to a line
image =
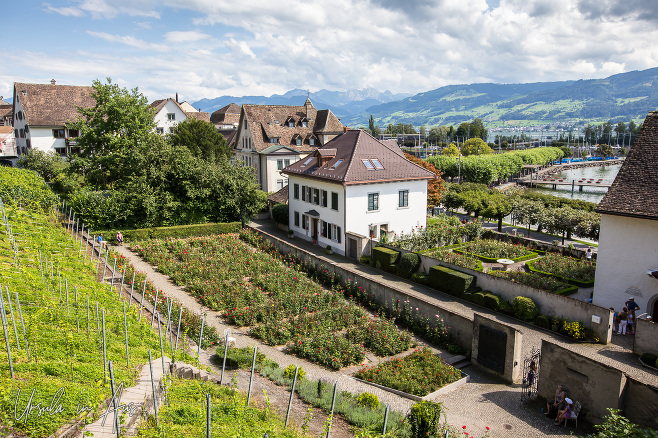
342	103
620	97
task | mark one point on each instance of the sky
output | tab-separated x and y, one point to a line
210	48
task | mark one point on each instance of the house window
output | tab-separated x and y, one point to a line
72	132
291	124
279	184
377	163
304	188
311	141
296	218
324	198
373	201
298	141
295	191
274	140
324	229
171	116
308	160
305	222
286	163
334	233
279	164
316	196
368	164
159	131
334	201
403	198
304	123
58	133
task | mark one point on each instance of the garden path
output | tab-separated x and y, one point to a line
481	402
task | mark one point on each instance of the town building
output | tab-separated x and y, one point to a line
271	137
227	117
6	113
354	190
8	152
627	259
167	113
41	113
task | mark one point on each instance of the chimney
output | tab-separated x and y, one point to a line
176	97
52	82
345	129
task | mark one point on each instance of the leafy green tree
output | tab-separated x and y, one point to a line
202	138
114	135
451	151
604	150
566	151
527	211
622	151
497	206
374	129
620	128
476	146
434	186
616	425
438	134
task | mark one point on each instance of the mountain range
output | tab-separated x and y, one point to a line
621	97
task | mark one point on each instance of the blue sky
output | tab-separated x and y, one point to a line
208	48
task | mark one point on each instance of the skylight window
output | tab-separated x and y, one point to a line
377	164
308	160
335	164
368	164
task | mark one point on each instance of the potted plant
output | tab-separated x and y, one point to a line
328	250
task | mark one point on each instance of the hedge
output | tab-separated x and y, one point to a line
176	231
409	264
384	258
567	291
573	281
450	281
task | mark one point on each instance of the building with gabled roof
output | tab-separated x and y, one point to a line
168	112
227	117
353	190
628	240
41	113
271	137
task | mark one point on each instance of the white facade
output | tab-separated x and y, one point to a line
350	210
628	247
168	116
44	138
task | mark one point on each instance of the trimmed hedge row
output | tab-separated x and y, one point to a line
385	258
176	231
450	281
532	255
576	283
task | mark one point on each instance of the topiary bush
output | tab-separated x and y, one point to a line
280	214
491	300
368	400
419	277
525	308
543	321
384	258
289	372
409	264
424	419
450	281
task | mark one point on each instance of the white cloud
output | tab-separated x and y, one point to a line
129	41
185	37
66	11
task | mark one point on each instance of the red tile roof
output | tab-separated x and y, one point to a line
52	105
228	115
349	151
634	190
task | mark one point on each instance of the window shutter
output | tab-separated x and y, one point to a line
329	231
324	229
338	234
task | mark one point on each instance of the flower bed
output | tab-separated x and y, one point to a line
491	250
578	272
271	294
537	281
464	260
420	373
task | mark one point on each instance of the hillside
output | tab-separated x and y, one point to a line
620	97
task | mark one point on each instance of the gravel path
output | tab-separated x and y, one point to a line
483	402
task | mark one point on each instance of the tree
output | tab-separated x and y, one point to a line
527	211
604	150
374	129
434	186
478	129
202	138
438	134
566	151
475	146
620	128
451	151
497	206
622	151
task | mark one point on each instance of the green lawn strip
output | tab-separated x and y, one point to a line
60	356
185	414
280	303
419	373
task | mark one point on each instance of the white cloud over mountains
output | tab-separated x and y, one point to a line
265	47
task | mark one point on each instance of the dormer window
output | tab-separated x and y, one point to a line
291	124
274	140
311	141
304	124
298	141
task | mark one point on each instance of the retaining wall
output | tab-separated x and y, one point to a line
646	334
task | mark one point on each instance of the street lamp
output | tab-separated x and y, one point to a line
459	174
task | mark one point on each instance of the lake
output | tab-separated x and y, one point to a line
590	194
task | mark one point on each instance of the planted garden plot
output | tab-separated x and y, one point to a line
281	304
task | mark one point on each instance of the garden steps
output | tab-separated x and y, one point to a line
459	361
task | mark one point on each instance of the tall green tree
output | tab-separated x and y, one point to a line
374	129
202	139
475	146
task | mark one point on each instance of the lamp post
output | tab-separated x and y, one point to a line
459	170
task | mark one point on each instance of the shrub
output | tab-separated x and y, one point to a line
289	372
368	400
419	277
492	301
450	281
364	260
424	419
543	321
525	308
280	214
384	258
409	264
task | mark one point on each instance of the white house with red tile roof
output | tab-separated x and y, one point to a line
271	137
355	189
168	113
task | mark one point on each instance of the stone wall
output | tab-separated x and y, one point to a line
646	333
549	303
595	385
512	371
641	403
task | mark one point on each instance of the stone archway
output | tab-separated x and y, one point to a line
652	307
